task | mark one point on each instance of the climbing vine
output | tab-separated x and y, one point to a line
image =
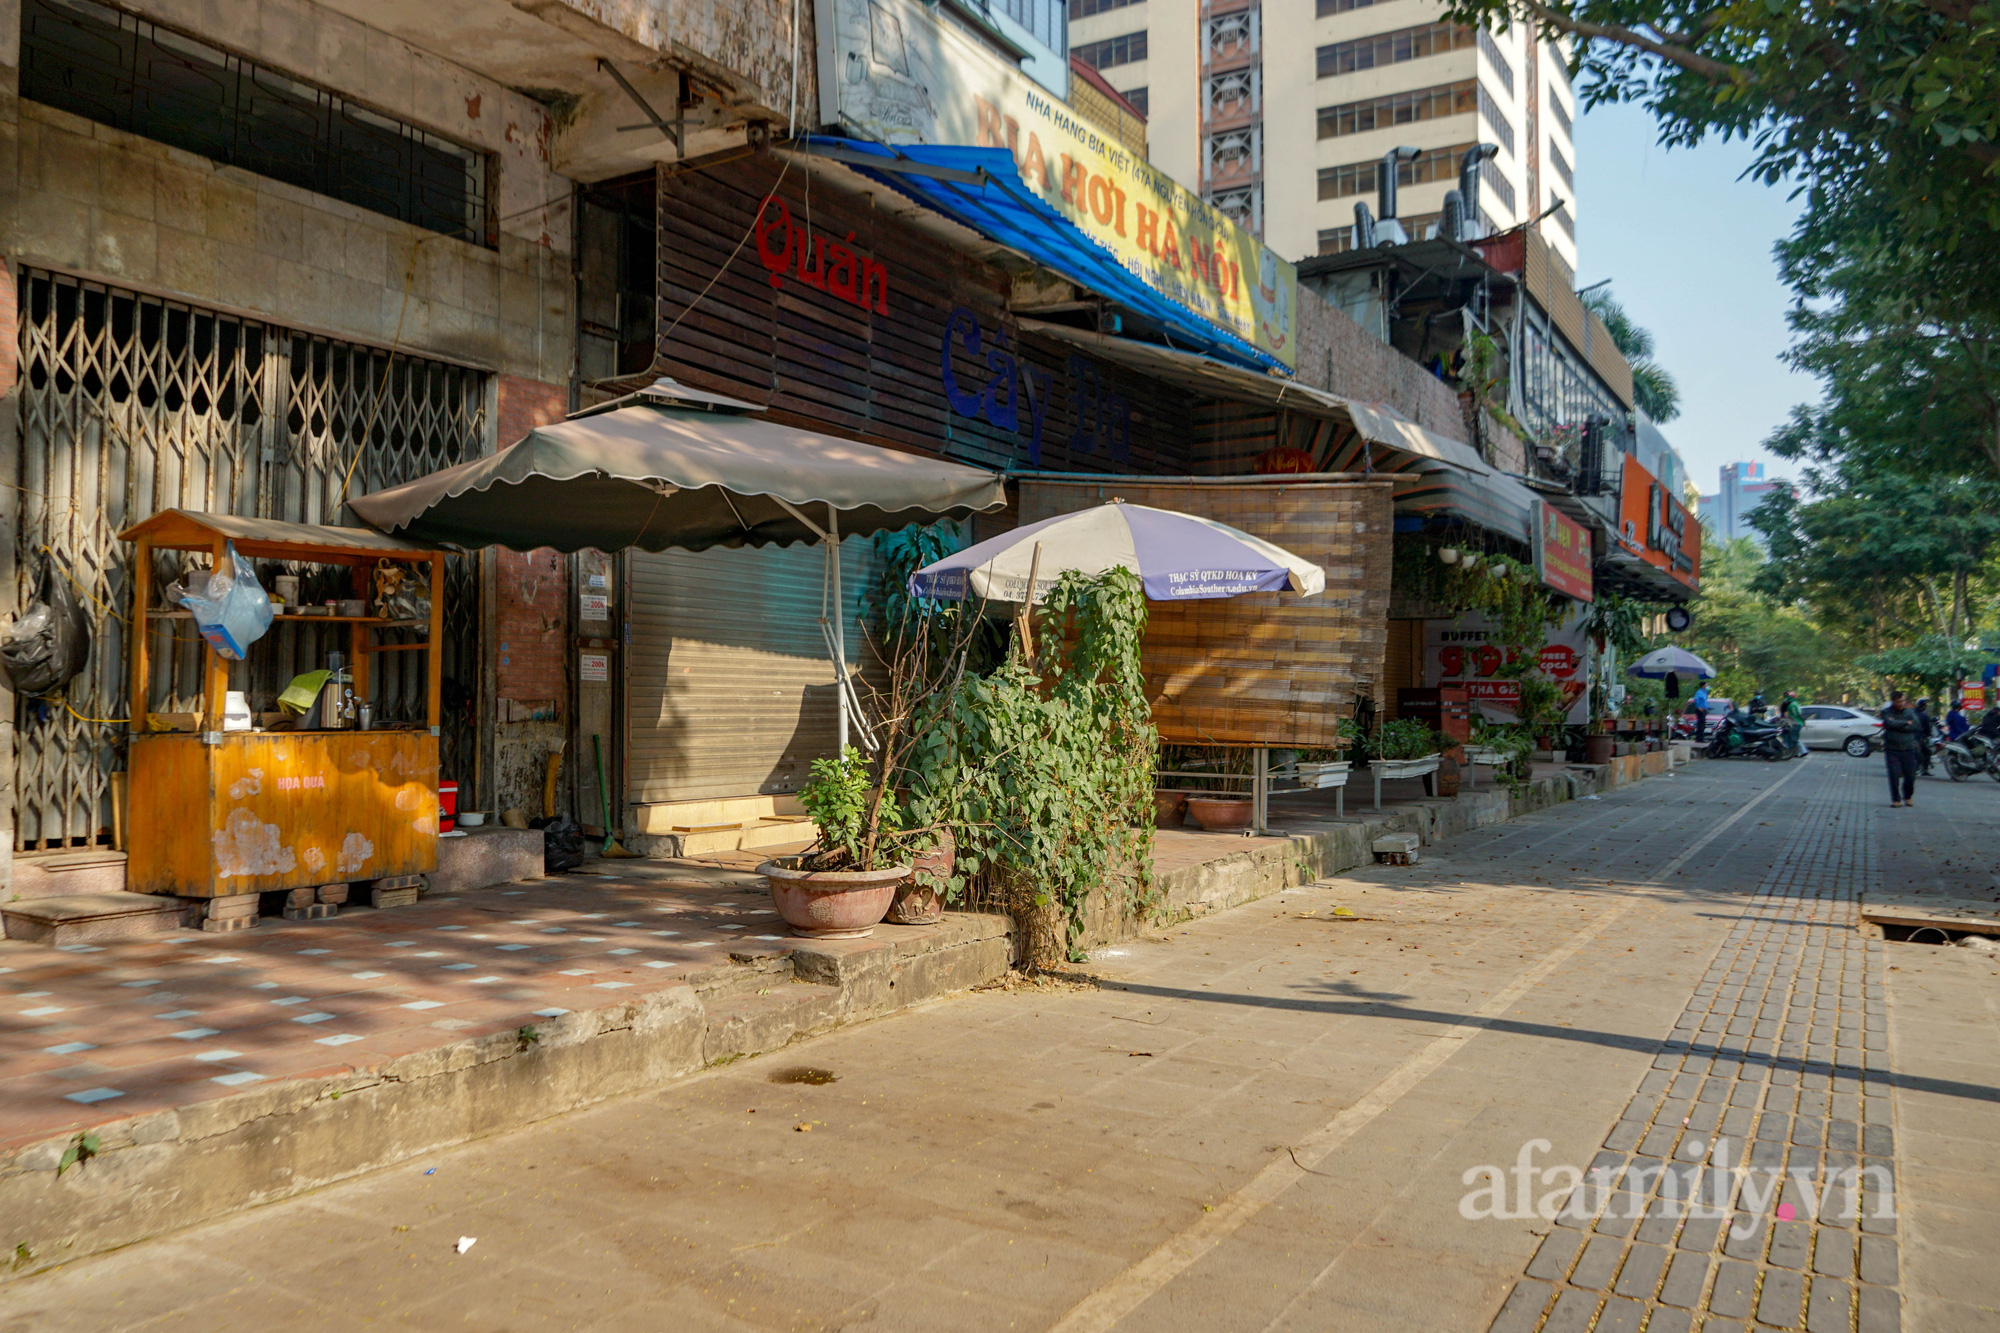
1041	767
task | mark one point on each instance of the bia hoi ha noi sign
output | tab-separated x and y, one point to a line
892	71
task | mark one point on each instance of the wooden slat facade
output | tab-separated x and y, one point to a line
1268	668
877	372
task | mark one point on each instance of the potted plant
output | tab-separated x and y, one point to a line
1329	767
842	886
1404	748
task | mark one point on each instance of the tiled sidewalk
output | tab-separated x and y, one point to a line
1719	1197
95	1033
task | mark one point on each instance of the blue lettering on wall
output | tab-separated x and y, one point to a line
1103	418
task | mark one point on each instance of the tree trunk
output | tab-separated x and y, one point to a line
1936	606
1959	625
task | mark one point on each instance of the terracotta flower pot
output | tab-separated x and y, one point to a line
1168	807
1220	814
831	904
922	904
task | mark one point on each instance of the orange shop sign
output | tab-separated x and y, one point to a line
1562	552
1655	526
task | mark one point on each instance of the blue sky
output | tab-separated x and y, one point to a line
1688	246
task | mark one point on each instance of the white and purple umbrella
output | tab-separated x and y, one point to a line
1178	557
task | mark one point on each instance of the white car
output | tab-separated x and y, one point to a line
1838	727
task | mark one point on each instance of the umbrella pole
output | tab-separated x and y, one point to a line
838	624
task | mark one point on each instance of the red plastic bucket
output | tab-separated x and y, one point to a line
447	806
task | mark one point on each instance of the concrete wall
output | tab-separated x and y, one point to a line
90	199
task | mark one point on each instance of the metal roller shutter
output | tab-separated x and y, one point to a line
731	692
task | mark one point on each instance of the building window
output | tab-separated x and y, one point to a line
1328	8
1561	113
1498	61
1562	166
1496	119
1083	9
1438	164
1392	48
1495	180
1046	20
1124	49
1339	240
1137	97
1563	220
1447	99
145	80
618	277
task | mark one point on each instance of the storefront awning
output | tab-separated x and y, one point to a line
980	188
1204	375
660	473
1495	501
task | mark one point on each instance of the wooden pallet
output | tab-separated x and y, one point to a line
1976	916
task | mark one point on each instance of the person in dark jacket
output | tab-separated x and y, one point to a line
1901	739
1926	728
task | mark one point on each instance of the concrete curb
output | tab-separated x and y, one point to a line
170	1169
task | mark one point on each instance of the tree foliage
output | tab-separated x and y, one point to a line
1889	556
1654	388
1896	102
1756	642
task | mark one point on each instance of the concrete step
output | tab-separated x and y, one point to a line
82	918
773	1016
743	837
747	977
65	873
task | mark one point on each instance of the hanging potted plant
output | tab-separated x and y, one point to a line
842	886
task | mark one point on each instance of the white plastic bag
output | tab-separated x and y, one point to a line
232	611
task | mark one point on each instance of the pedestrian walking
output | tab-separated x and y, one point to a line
1795	724
1926	728
1899	750
1699	707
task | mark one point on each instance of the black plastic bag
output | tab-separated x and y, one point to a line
50	642
562	843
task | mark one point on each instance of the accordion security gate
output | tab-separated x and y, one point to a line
130	404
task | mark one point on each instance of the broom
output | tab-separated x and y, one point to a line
612	847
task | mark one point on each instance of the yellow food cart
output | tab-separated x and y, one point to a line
222	814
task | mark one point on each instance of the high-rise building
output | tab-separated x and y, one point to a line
1743	487
1283	116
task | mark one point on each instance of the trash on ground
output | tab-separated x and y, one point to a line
466	1242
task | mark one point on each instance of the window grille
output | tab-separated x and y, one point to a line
1139	99
1496	119
1083	9
1328	8
1561	113
130	404
1234	152
1496	180
1499	62
1562	166
150	81
1232	35
1244	207
1235	92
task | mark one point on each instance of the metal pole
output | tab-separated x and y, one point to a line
1260	781
839	624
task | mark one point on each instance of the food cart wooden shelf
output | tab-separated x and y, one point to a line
218	813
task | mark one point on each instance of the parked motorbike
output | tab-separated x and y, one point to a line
1970	755
1741	737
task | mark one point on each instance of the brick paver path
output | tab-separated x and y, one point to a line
1751	1176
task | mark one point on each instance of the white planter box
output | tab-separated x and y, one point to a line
1480	754
1324	776
1401	768
1406	768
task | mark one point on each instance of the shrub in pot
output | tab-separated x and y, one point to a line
843	886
